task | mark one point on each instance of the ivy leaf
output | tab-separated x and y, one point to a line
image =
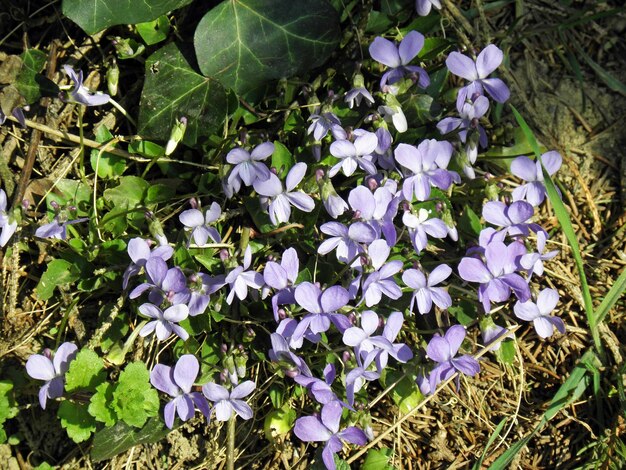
95	15
246	43
58	273
100	404
134	399
114	440
153	32
86	372
76	420
28	80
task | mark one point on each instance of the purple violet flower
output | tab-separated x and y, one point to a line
496	275
356	95
425	293
423	6
281	353
346	240
248	165
320	389
477	72
533	262
324	122
41	367
361	339
353	155
80	94
326	429
398	57
381	280
322	308
513	218
226	402
56	228
419	226
356	378
7	225
165	322
523	167
239	279
539	313
442	349
282	278
162	283
279	200
177	382
469	121
377	210
193	220
202	286
427	163
139	252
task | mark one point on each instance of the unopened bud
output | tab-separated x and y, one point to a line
176	136
319	175
345	357
372	183
282	314
54	205
224	255
113	78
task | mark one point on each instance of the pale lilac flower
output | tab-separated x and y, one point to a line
80	94
533	262
177	382
324	122
398	57
56	228
377	210
420	226
392	113
17	113
239	279
41	367
442	349
423	6
381	280
358	93
249	166
201	288
491	332
225	403
477	72
287	327
326	429
427	164
333	203
513	218
322	308
539	313
162	283
321	389
353	155
425	291
282	278
383	153
346	240
201	231
6	224
523	167
362	339
468	122
356	378
496	275
139	252
164	322
279	200
281	353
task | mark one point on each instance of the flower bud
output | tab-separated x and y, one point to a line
113	78
176	136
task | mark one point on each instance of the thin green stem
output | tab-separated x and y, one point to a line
119	107
81	157
230	445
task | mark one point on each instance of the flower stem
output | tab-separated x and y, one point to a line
123	111
81	158
230	444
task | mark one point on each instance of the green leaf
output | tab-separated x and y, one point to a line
58	273
106	164
8	405
378	459
114	440
100	404
506	353
128	194
76	420
282	159
146	148
172	90
72	192
160	192
86	372
278	422
612	297
96	15
134	399
496	432
246	43
28	81
153	32
469	222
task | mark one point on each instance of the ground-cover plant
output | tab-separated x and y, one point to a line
401	243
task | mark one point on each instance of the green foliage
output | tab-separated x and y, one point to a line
134	399
86	372
28	80
246	43
105	164
378	459
282	159
114	440
153	32
279	422
172	90
100	404
95	15
58	273
76	420
74	192
8	406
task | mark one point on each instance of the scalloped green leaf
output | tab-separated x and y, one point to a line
86	372
96	15
75	419
173	89
245	43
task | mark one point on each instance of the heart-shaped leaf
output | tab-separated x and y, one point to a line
96	15
172	90
245	43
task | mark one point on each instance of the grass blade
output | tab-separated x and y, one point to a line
566	225
496	432
610	81
612	297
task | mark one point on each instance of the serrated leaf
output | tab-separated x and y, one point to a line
27	81
100	404
76	420
86	372
134	399
173	89
114	440
95	15
8	405
58	273
245	43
